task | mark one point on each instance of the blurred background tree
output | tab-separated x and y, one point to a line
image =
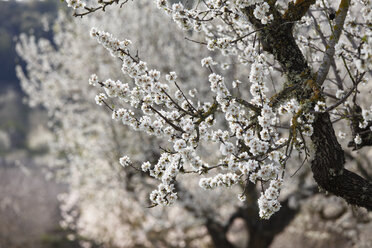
29	212
21	17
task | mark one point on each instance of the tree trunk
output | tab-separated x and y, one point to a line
262	232
328	167
218	235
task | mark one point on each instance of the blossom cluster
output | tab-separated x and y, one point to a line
268	202
185	124
76	4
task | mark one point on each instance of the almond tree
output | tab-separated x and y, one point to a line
297	70
252	147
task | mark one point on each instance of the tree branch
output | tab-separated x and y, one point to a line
330	52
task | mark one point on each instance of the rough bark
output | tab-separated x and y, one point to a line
328	167
277	39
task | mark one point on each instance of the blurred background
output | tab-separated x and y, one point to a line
30	214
